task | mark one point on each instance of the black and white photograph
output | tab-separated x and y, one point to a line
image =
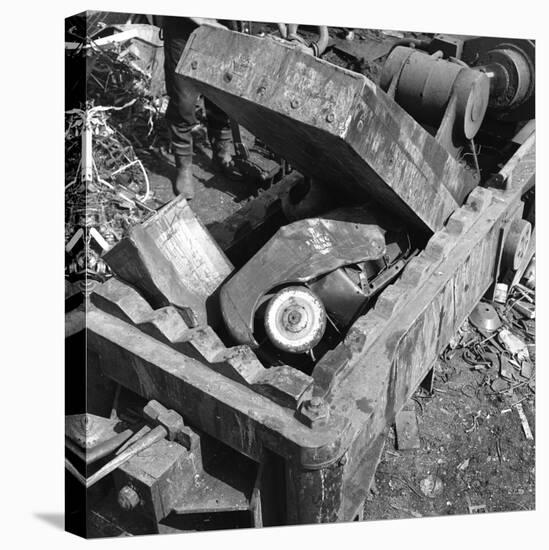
271	275
299	272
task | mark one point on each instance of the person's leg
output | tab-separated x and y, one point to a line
220	136
180	115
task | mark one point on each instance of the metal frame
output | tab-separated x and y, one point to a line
330	452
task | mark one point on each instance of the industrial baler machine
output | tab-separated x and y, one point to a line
274	358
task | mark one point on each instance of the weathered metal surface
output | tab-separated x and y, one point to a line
297	252
485	317
449	96
407	429
424	85
314	496
168	479
158	475
218	488
512	97
173	260
227	410
367	48
365	381
89	430
516	244
168	325
211	495
101	450
341	296
390	350
361	468
332	124
243	233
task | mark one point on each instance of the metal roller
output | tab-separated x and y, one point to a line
424	86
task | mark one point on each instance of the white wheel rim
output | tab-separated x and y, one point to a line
295	320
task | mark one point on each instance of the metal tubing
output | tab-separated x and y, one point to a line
152	437
101	450
69	466
143	431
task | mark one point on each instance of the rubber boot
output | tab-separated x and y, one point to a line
183	181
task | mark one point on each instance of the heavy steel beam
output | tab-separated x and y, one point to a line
332	124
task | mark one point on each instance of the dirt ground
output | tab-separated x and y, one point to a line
216	198
473	453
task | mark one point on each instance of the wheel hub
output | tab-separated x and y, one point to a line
295	319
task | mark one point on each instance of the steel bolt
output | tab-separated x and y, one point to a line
330	117
294	103
315	402
227	77
315	412
194	64
128	499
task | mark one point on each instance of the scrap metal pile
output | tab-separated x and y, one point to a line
107	188
126	69
499	341
289	350
106	192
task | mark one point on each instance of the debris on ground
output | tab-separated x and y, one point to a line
107	186
431	486
513	344
476	429
407	431
500	293
474	508
524	422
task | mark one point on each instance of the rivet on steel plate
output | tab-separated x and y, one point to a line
294	103
227	77
330	117
261	90
194	64
360	125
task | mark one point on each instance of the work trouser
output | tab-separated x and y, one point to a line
180	113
